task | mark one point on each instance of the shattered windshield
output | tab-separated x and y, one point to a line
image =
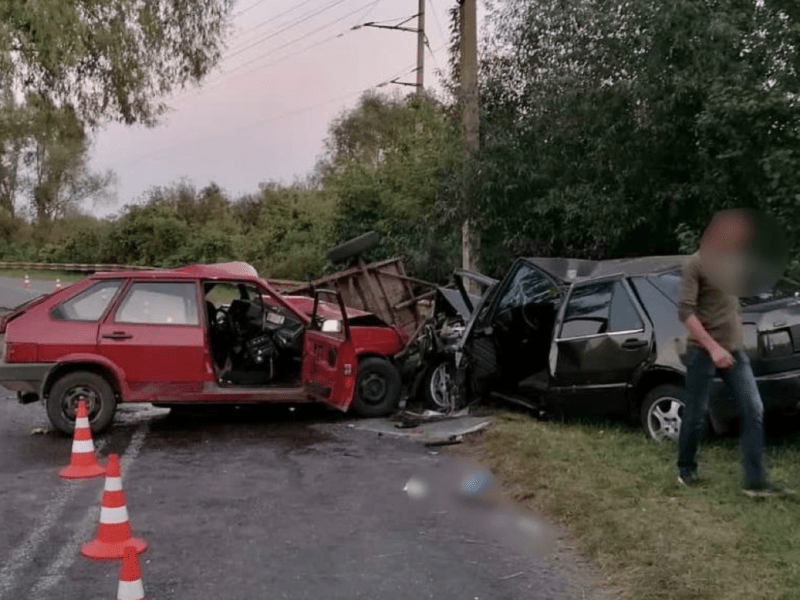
528	286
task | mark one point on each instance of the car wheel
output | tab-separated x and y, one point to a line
662	411
378	388
438	386
62	402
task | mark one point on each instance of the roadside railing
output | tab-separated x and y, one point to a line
70	267
279	284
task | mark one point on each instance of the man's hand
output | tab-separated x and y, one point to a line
722	358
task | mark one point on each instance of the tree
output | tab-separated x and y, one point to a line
110	59
56	157
608	124
390	163
12	140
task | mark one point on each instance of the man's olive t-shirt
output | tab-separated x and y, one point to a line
718	311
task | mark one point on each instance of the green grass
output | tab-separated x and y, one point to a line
44	274
616	492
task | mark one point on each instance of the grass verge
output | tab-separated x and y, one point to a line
616	492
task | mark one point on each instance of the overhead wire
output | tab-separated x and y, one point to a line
286	28
233	71
247	31
249	8
267	120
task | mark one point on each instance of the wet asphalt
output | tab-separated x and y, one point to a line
264	503
267	503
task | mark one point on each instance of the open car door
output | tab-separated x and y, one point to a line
329	357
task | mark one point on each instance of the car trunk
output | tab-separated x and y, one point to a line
772	332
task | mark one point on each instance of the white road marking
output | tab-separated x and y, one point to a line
23	554
66	556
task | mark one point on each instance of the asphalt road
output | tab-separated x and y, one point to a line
267	503
13	291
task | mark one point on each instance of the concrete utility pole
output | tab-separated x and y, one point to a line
421	47
470	233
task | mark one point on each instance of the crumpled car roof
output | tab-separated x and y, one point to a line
569	270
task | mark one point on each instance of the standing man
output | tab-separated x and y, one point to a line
710	310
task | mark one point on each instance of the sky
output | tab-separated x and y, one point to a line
263	114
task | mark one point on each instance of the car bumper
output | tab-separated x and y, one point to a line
779	392
25	378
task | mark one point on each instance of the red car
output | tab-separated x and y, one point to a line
195	335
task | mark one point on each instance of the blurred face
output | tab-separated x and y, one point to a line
727	233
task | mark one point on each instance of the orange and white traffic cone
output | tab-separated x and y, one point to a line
114	531
82	463
27	282
57	285
130	577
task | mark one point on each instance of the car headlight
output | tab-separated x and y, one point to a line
776	344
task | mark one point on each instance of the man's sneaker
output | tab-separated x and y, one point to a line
767	490
688	478
758	492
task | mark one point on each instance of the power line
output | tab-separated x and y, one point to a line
248	30
282	116
442	35
309	34
233	71
287	28
251	7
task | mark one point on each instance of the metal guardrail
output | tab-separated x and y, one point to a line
71	267
280	284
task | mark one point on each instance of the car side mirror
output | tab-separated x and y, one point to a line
331	326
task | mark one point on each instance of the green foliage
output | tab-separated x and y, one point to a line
609	124
110	59
389	164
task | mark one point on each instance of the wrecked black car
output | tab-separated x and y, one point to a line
603	337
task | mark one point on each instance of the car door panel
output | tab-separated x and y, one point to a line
159	345
597	359
329	359
515	346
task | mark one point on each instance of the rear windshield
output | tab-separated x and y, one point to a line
670	285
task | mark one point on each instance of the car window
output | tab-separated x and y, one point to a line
528	286
588	310
668	284
160	303
90	304
624	316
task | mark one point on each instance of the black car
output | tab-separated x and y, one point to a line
603	337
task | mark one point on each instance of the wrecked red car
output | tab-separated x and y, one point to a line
202	334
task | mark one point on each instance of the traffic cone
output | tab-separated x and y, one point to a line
57	286
27	282
114	531
130	577
82	463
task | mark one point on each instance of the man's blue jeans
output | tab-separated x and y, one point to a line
742	386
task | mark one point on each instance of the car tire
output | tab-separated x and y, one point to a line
353	247
438	385
662	410
378	387
62	402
